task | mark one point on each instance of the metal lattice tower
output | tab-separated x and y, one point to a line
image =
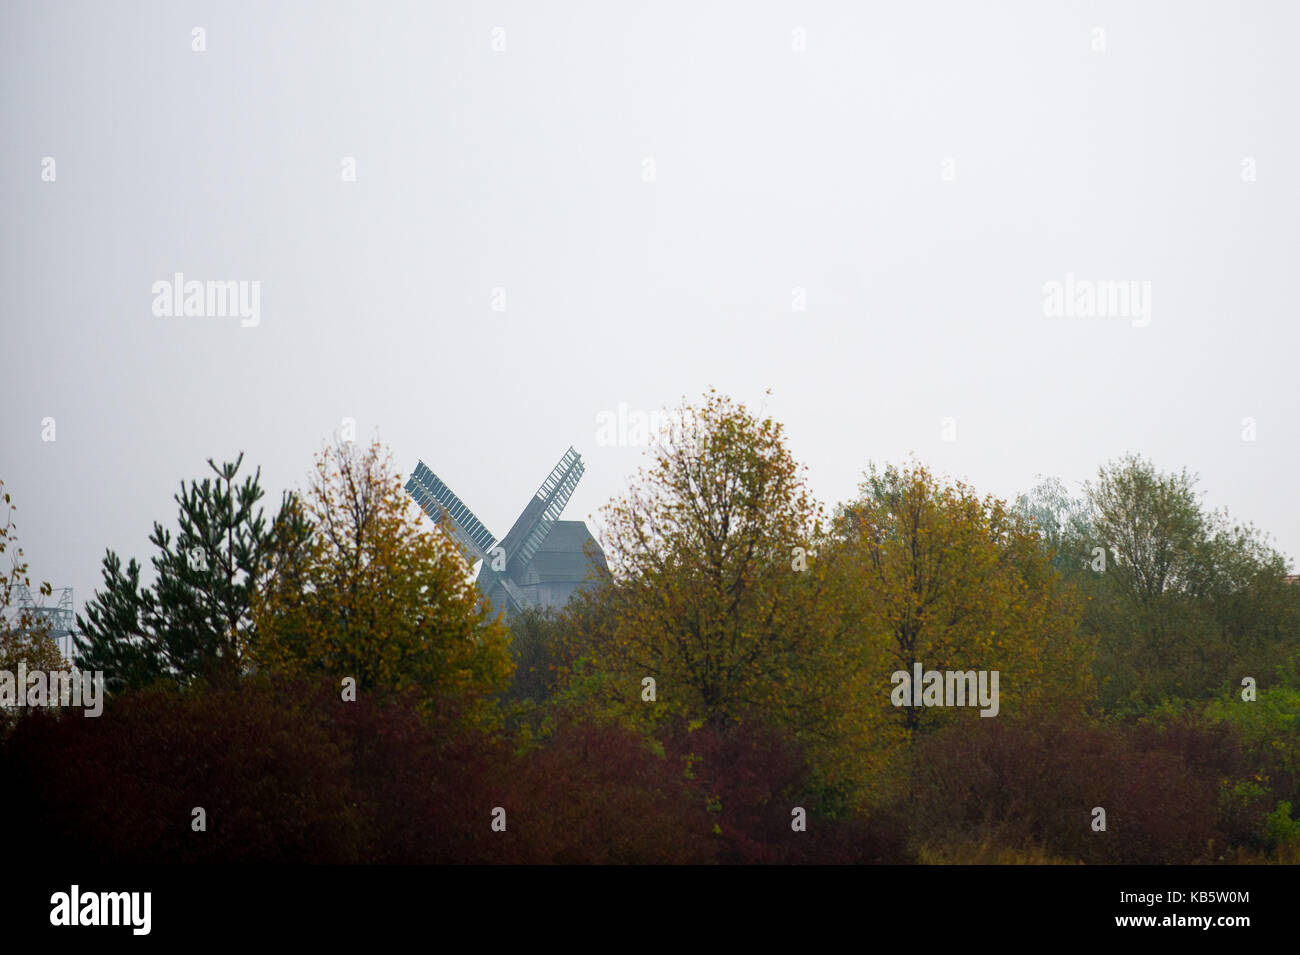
58	616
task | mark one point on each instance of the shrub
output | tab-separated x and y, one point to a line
1035	783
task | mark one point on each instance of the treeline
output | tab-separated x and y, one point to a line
325	685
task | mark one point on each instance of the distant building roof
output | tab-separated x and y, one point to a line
562	555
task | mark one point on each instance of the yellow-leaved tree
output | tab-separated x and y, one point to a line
713	589
930	573
360	584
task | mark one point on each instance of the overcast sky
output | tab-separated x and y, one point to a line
561	207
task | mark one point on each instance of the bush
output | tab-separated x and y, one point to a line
122	787
288	772
1034	783
750	779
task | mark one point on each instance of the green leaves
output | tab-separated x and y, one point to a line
195	622
1191	600
116	634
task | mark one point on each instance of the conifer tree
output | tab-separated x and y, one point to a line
195	621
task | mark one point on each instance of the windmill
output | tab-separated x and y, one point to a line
541	561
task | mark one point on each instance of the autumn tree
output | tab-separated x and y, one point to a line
195	621
934	574
712	588
359	584
24	637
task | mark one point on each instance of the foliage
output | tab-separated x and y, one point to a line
750	778
702	592
1122	624
538	645
1188	602
1283	831
1269	727
1035	782
359	585
195	622
122	787
288	772
1063	521
930	573
23	637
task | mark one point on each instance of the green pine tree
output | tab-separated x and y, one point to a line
195	622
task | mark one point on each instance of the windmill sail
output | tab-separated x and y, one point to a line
437	500
542	512
530	566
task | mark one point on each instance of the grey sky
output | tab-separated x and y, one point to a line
524	169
